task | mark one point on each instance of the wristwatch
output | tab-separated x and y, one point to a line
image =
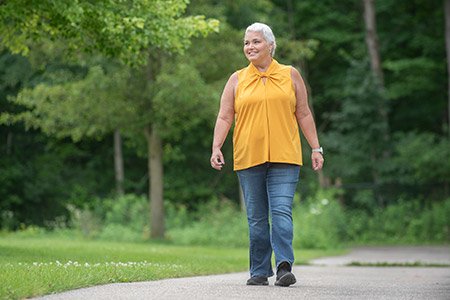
320	150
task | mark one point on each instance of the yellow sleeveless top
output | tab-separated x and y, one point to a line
266	128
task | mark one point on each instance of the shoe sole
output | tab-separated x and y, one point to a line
286	280
262	283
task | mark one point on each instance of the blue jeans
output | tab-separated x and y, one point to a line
269	187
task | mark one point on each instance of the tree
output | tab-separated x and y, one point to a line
40	174
127	30
118	163
447	44
375	63
121	29
372	40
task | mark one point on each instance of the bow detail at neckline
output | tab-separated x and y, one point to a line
264	75
271	72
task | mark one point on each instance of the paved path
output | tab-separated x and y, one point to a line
438	255
331	281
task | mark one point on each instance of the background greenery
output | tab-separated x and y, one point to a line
56	158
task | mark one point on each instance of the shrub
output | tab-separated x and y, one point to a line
129	210
218	224
403	223
319	222
85	221
108	218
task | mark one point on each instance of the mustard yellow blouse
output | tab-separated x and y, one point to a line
266	128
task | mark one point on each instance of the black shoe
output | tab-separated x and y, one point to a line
284	275
258	280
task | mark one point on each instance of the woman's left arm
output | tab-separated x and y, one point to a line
305	118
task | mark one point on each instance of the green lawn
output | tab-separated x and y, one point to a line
31	266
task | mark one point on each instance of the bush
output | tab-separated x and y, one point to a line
408	222
129	210
113	218
319	222
218	224
85	221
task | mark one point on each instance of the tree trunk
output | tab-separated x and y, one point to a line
375	63
372	40
118	163
447	44
155	171
291	18
9	143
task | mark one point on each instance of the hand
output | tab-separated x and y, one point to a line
217	160
317	161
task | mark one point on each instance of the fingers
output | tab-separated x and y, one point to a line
217	164
217	161
317	161
220	159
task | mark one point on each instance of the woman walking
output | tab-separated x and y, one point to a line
268	103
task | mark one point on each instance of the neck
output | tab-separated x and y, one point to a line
263	65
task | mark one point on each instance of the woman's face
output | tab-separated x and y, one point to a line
256	47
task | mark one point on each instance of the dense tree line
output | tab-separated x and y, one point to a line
68	110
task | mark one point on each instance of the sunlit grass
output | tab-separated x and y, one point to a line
37	266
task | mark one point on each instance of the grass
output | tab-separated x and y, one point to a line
33	266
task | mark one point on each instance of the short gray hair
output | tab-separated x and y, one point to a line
266	32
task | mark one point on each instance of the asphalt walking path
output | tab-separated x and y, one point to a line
326	278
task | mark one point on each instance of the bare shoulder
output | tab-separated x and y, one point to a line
295	75
229	90
232	83
297	80
233	80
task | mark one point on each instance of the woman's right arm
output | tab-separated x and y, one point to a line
224	121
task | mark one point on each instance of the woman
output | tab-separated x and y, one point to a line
268	102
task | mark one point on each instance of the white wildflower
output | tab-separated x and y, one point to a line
314	211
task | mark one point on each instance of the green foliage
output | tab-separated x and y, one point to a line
319	222
242	13
121	29
218	223
40	176
90	107
65	92
124	218
181	91
421	159
402	223
357	131
216	63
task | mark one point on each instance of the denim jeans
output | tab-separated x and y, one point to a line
269	188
